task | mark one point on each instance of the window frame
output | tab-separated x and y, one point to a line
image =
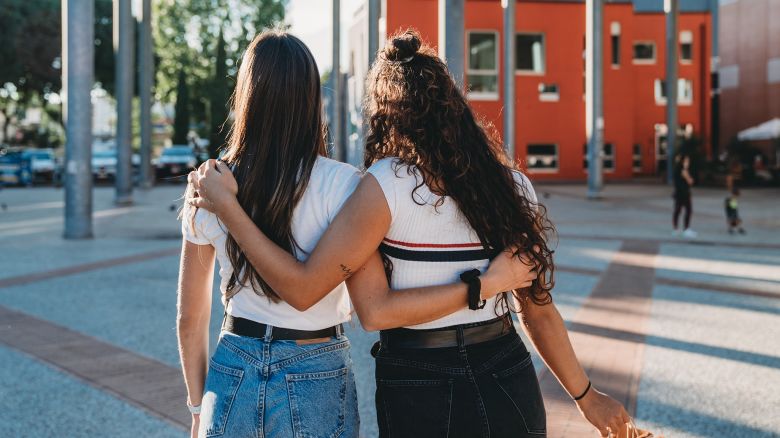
543	71
659	89
604	158
685	37
636	61
549	96
481	95
557	167
615	34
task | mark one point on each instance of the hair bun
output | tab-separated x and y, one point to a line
404	46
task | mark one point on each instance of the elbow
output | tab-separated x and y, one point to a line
301	305
371	321
188	324
303	302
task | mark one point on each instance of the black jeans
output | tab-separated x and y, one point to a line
489	389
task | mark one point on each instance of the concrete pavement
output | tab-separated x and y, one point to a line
686	333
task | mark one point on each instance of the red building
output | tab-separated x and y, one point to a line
550	78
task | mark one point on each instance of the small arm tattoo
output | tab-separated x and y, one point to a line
346	271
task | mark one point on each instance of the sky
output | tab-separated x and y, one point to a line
310	21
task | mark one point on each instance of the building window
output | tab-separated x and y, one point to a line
482	69
549	93
529	53
615	32
542	157
686	47
684	92
644	52
636	162
607	157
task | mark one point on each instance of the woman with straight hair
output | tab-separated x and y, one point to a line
282	366
438	202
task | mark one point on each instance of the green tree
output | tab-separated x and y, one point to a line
181	121
30	71
208	37
220	90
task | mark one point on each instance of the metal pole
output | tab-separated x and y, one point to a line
594	93
509	78
337	121
714	74
146	72
452	37
123	49
373	30
671	8
78	54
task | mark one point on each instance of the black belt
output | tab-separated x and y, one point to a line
252	329
453	336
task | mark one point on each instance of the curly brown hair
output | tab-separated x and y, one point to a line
417	114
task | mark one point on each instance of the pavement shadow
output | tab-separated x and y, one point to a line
689	347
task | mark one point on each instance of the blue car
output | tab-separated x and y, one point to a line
15	168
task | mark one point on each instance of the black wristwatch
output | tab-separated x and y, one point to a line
471	278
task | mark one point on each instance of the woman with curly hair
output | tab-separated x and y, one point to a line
438	202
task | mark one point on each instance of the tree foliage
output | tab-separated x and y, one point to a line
207	38
31	53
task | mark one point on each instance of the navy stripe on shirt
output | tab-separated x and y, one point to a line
437	256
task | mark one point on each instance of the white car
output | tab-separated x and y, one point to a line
42	163
104	164
176	161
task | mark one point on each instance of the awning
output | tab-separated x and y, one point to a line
766	131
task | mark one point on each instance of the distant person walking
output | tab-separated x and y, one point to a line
682	196
732	212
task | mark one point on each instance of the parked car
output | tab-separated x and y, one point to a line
175	161
42	164
104	165
15	168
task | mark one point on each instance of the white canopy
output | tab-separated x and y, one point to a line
765	131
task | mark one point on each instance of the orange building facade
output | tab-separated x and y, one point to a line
550	80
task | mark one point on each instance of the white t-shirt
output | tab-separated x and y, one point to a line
330	185
431	245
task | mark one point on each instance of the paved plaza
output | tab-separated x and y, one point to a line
685	333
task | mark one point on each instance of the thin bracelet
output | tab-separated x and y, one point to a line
584	393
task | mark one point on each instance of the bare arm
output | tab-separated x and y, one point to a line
545	328
196	274
350	240
686	174
380	308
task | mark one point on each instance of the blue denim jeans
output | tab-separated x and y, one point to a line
268	388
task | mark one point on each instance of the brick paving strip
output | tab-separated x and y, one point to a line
620	302
77	269
148	384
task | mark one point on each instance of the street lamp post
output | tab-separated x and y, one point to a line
452	37
671	8
123	48
146	72
509	78
337	119
373	30
78	55
594	93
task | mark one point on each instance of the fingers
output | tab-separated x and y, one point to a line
201	203
222	166
625	418
193	178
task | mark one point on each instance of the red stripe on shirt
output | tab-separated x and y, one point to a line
433	245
